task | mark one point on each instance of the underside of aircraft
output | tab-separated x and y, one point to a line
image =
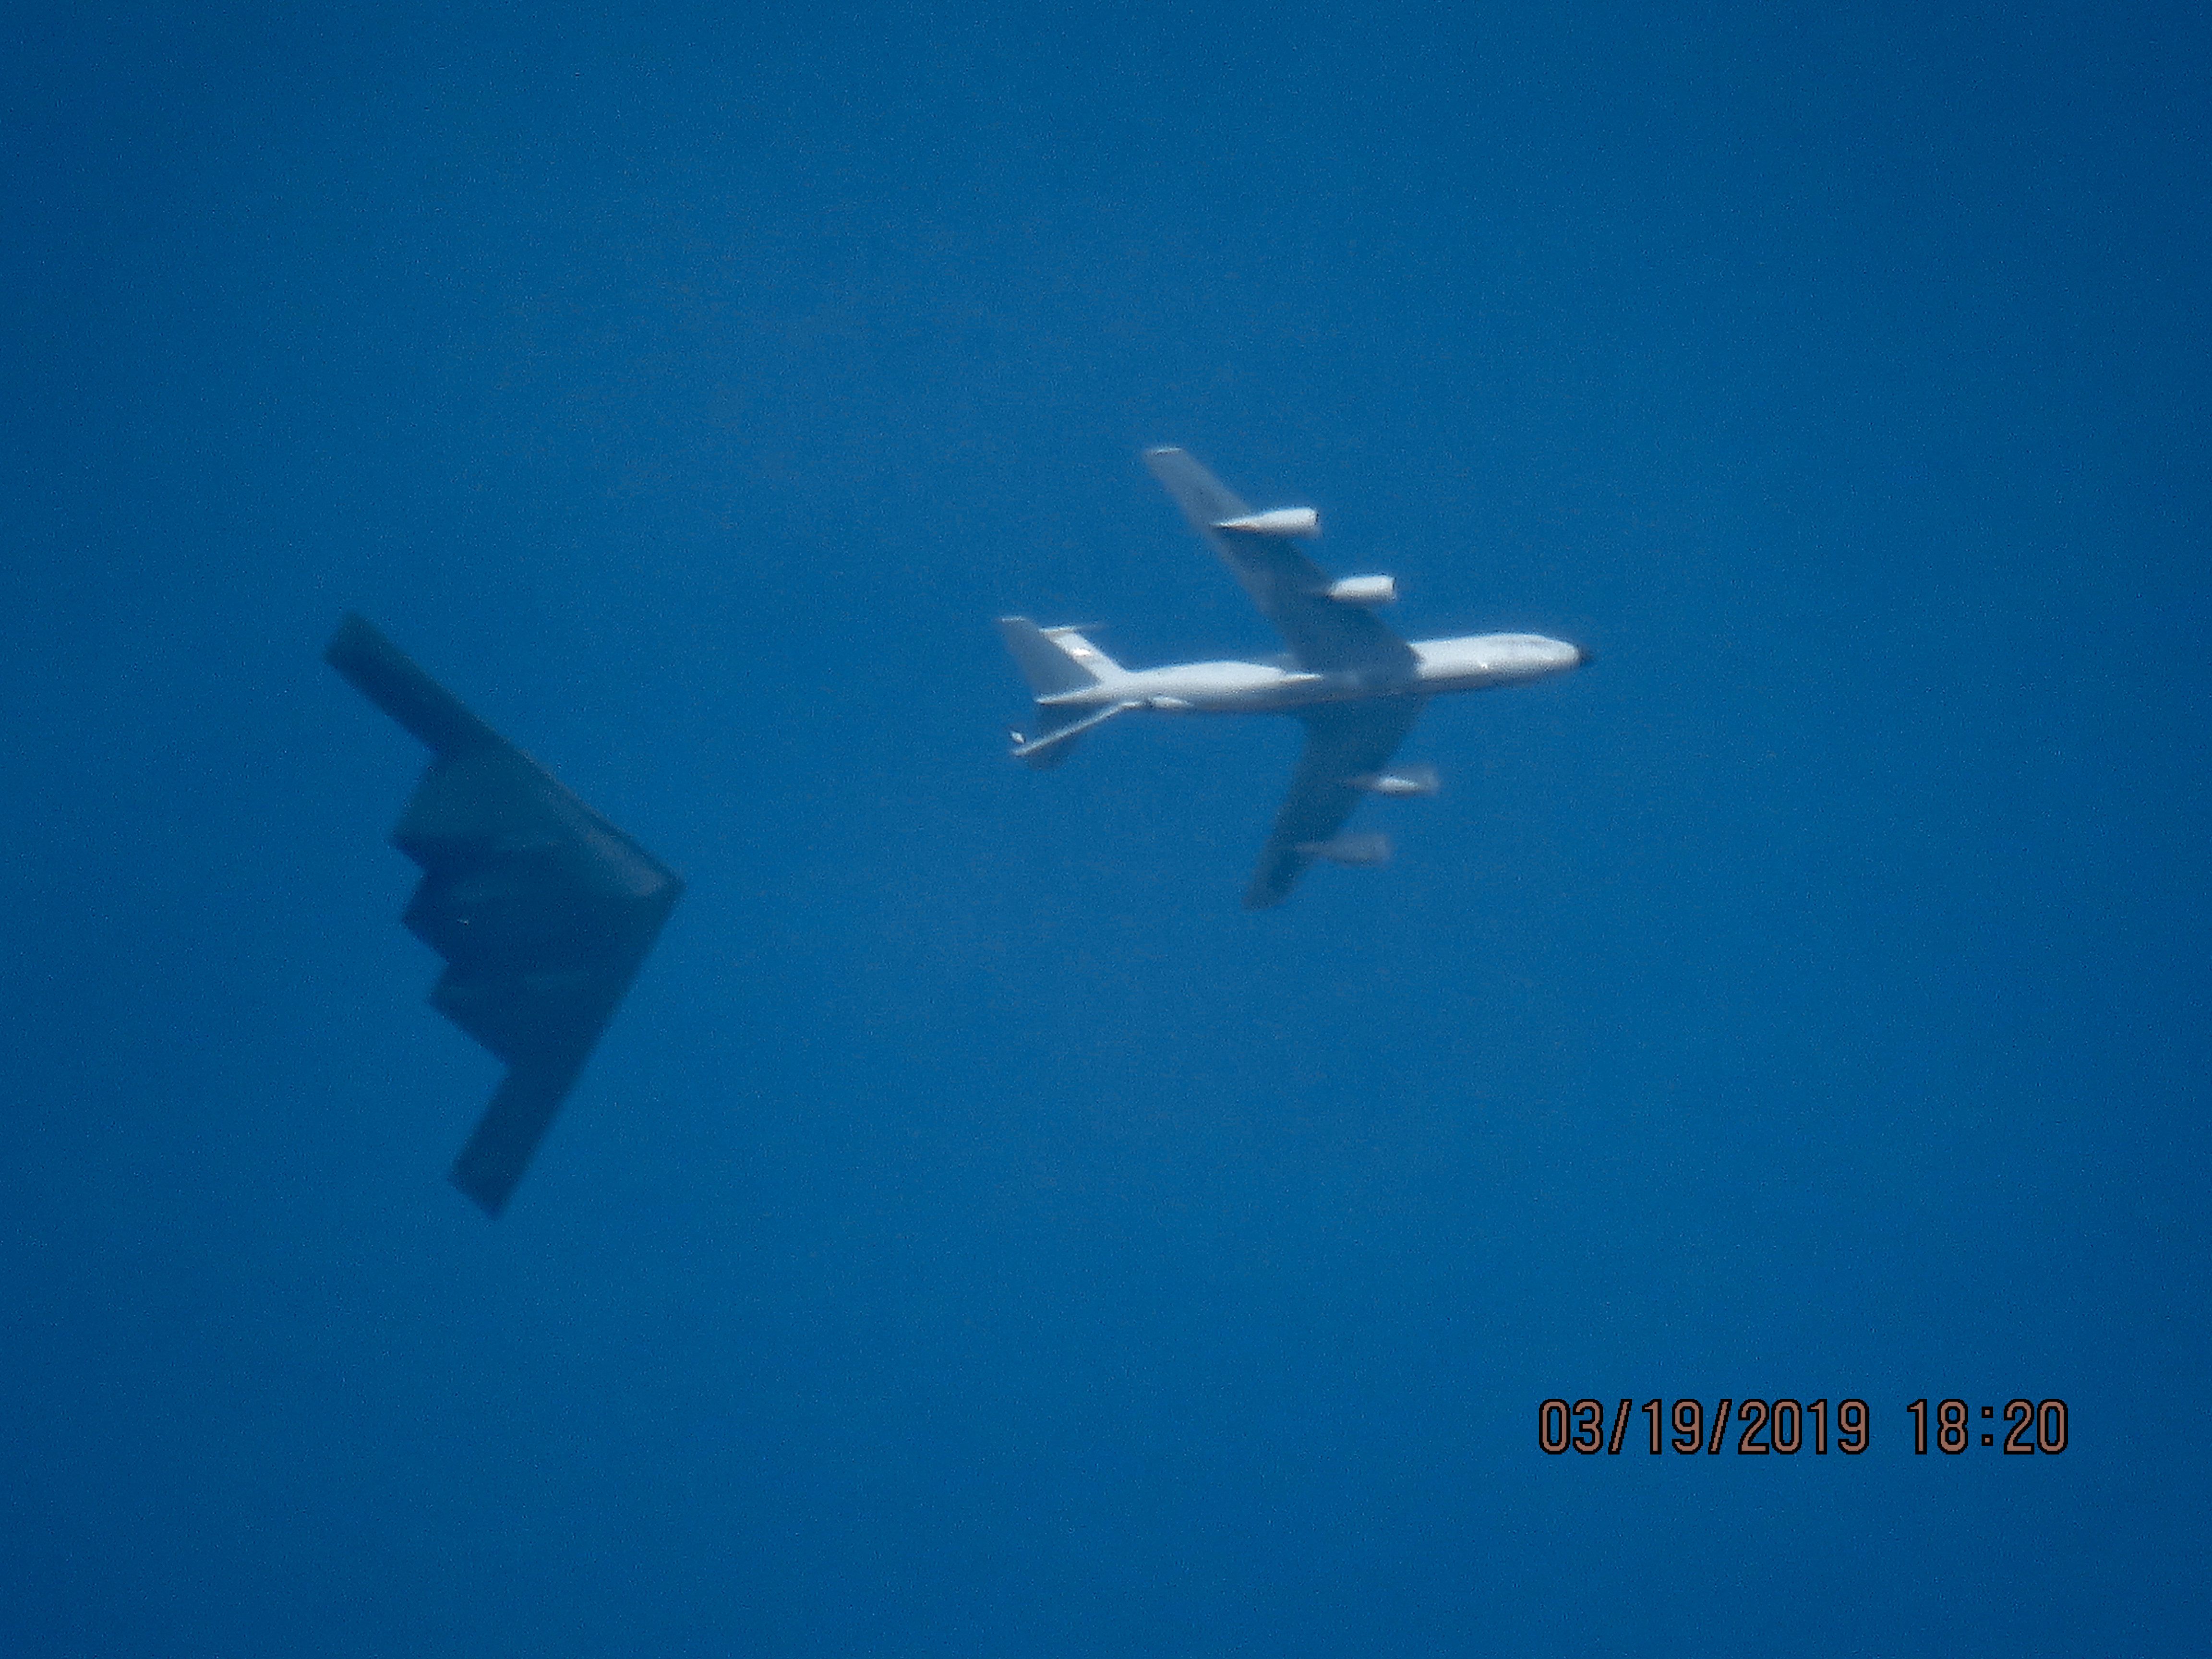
542	910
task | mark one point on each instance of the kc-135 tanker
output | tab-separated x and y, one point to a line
1356	687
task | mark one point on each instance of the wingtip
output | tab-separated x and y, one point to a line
354	636
492	1200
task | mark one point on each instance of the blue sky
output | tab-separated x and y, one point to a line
977	1235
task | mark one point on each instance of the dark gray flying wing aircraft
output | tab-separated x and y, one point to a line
542	909
1356	686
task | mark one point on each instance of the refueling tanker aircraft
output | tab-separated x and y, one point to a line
1357	686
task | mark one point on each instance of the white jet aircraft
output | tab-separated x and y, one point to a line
1355	684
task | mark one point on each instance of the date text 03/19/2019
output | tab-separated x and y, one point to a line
1768	1427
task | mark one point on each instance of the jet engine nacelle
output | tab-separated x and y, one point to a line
1283	521
1401	780
1363	591
1365	851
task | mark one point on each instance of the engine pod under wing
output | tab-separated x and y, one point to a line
542	910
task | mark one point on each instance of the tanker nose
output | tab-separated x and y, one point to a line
1584	656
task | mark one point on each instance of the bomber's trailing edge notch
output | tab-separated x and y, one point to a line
1354	683
542	910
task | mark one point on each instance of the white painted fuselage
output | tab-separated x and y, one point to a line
1472	662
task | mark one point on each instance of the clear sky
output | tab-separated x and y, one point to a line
977	1235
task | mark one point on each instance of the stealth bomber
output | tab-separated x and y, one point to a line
542	910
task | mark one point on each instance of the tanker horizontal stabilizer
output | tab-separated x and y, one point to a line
1050	748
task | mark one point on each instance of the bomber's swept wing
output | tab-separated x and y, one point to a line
1344	741
542	909
1325	635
